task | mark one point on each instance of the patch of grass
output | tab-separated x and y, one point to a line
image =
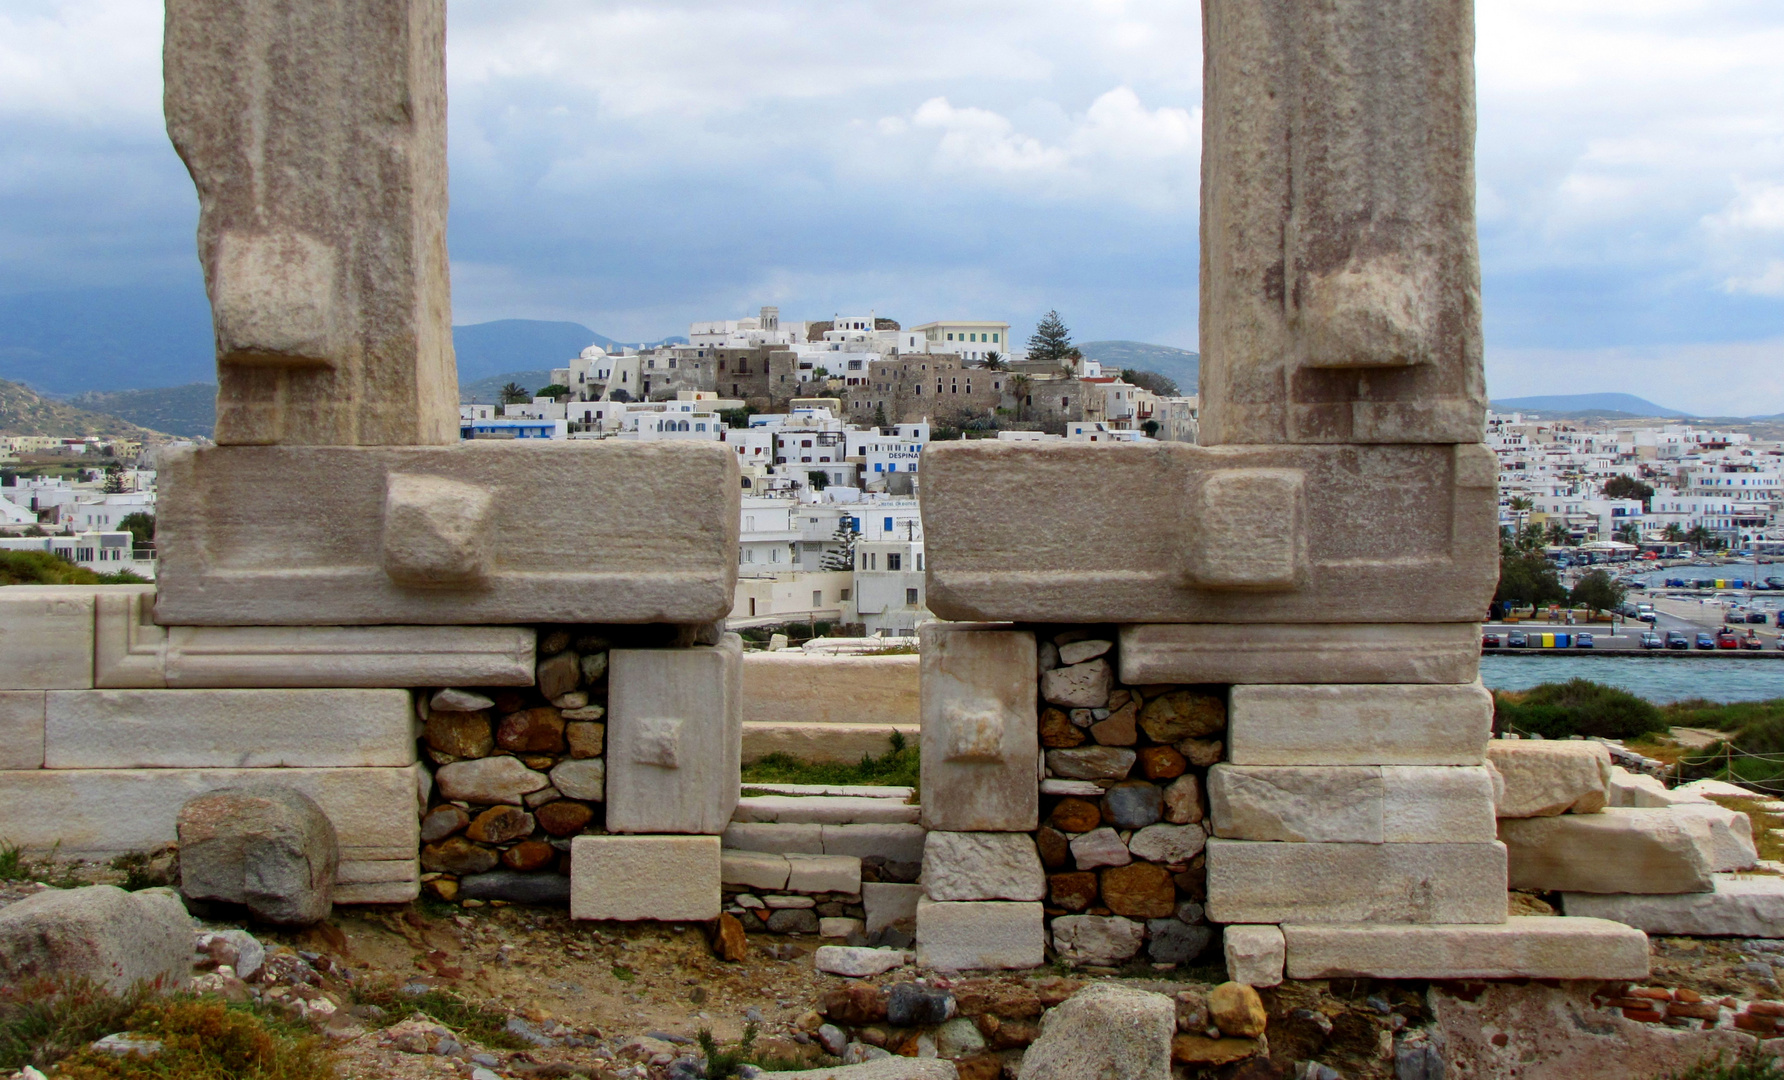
204	1039
1720	1068
623	973
42	568
1721	716
140	871
1762	733
1576	707
13	866
897	767
482	1023
44	1020
724	1064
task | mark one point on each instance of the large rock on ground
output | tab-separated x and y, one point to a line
1617	851
100	932
1545	777
1104	1033
270	848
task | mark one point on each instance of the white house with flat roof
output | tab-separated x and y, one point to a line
968	338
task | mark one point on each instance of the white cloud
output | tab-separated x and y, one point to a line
974	139
83	63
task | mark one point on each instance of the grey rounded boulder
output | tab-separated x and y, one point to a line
1104	1033
99	932
269	848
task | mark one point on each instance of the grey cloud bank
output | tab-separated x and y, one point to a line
630	168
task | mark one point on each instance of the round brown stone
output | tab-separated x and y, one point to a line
456	855
443	821
500	824
1118	729
1074	892
854	1004
1139	890
1201	752
586	738
529	855
461	734
1162	763
1183	714
565	817
1058	732
532	731
1055	850
1075	815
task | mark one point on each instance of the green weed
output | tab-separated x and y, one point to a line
1720	1068
899	766
486	1025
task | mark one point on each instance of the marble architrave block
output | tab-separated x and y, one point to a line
1376	534
132	652
220	729
1617	850
971	934
1527	947
1545	777
1363	804
316	137
1740	905
21	729
634	878
1300	653
1359	724
1340	278
470	534
99	813
674	738
1263	882
980	740
46	637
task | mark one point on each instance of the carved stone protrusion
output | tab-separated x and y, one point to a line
1251	530
437	532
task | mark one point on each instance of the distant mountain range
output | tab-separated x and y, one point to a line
24	412
1180	365
1626	404
189	411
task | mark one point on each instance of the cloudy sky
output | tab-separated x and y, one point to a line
632	166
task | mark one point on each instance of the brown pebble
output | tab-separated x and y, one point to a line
529	855
1075	815
565	817
1162	763
532	731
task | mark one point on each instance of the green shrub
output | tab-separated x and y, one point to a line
205	1039
1720	1068
1576	707
1722	716
42	1020
42	568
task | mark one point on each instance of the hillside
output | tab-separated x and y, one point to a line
519	345
1613	406
189	411
23	412
488	391
1181	365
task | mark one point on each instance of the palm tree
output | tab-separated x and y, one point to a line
1017	386
1699	537
1557	533
994	361
515	394
1673	533
1629	532
1521	504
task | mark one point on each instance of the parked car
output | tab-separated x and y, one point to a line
1648	617
1728	640
1583	641
1706	641
1756	617
1489	641
1651	640
1516	640
1752	642
1676	639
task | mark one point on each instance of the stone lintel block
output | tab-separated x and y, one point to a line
816	688
46	636
633	878
823	873
1340	280
1545	777
974	934
674	738
100	813
1365	804
1531	947
825	810
329	287
1155	653
318	535
1254	954
1359	724
774	838
1384	534
1253	882
753	869
220	729
899	843
980	741
1619	850
21	729
1741	905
